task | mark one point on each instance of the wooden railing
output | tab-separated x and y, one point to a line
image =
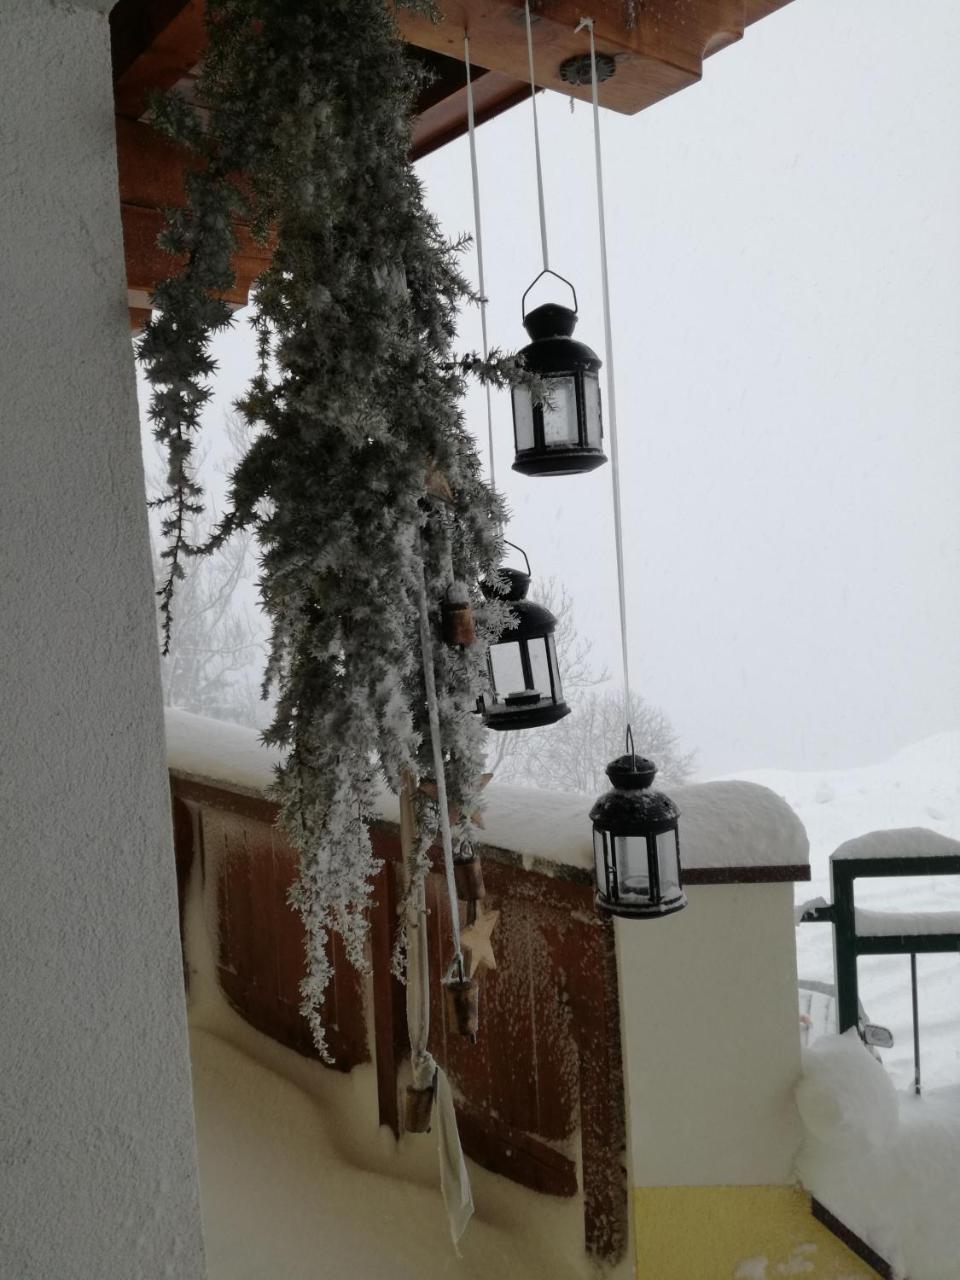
540	1096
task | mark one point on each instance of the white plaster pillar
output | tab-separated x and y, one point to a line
97	1155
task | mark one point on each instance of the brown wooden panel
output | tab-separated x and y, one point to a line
261	943
147	263
547	1060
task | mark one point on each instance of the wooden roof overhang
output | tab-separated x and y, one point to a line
157	44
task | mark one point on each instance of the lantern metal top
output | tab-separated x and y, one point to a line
631	808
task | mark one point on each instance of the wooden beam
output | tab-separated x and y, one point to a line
446	120
660	54
155	43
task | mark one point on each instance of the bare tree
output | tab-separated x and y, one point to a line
572	754
215	646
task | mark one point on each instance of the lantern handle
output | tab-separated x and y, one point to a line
631	749
522	552
556	275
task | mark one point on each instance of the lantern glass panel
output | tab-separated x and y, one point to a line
599	858
557	684
523	418
633	867
540	666
669	864
560	427
591	401
507	669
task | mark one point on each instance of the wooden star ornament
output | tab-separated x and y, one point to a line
477	942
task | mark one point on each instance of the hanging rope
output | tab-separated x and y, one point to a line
536	139
611	382
433	713
478	232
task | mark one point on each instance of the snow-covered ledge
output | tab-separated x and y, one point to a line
731	832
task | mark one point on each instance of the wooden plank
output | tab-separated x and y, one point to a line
852	1240
603	1140
516	1155
389	1000
660	55
444	121
155	43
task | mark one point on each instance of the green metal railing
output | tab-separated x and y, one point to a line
848	945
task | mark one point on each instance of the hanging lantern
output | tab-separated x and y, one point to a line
636	844
525	688
562	434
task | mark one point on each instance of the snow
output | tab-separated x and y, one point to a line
917	795
299	1182
218	751
886	1165
901	842
909	924
722	824
845	1098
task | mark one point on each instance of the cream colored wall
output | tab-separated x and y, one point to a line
97	1153
711	1039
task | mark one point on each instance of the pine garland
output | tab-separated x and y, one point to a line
355	401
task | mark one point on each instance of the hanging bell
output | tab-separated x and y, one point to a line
561	433
417	1109
468	876
463	1005
458	623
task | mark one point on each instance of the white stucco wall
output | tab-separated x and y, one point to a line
97	1154
711	1039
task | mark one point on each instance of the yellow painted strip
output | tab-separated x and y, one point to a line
736	1233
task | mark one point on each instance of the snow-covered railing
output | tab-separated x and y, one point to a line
910	852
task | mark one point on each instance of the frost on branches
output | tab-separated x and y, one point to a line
356	401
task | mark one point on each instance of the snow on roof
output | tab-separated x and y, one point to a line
901	842
723	825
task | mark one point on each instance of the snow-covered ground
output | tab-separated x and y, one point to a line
919	787
887	1164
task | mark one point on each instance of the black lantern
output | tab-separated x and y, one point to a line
636	845
562	434
525	689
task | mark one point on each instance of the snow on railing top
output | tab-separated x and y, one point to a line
905	924
899	842
724	827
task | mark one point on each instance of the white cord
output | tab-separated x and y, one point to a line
433	713
478	230
611	384
536	140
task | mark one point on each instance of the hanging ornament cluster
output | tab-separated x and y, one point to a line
558	430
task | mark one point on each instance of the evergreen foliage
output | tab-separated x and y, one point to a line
355	401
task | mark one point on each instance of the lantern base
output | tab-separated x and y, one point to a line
640	911
558	462
523	717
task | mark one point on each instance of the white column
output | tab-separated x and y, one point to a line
97	1154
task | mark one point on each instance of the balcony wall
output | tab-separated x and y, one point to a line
659	1056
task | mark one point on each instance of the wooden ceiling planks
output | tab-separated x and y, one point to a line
157	44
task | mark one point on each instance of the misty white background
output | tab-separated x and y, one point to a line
785	277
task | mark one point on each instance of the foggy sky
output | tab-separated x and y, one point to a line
785	268
786	260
